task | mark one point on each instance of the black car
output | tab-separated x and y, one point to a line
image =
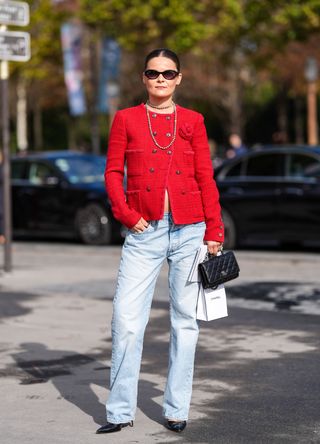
61	194
271	195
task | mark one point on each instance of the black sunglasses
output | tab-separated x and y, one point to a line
169	74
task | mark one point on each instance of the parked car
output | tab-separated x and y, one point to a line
62	194
271	195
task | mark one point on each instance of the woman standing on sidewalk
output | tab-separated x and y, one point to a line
170	207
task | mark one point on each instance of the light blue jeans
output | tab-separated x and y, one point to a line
141	260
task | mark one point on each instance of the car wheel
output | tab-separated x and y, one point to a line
230	235
93	225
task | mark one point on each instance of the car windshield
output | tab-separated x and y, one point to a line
87	169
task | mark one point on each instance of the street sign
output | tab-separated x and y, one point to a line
15	46
14	13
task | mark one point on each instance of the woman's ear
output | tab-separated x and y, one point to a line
143	79
179	78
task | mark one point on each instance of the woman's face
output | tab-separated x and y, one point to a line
160	88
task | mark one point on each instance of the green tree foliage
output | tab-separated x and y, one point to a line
179	25
42	76
183	25
44	29
44	69
282	21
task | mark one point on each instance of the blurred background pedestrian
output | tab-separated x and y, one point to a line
237	147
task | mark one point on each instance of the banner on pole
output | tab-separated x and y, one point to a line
109	74
71	37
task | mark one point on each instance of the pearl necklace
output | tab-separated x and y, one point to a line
159	107
174	130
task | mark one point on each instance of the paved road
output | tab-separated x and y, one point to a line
257	371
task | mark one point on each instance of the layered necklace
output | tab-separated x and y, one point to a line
174	125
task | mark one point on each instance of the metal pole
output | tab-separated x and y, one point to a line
312	113
4	71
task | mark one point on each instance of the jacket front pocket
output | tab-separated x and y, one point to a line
196	203
133	200
188	158
134	159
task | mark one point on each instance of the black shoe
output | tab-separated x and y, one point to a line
110	427
176	426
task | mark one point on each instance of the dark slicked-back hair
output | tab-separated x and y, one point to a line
163	52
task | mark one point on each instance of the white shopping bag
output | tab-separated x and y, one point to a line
212	304
200	256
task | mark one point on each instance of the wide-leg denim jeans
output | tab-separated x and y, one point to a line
140	264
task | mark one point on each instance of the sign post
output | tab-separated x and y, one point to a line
6	189
14	46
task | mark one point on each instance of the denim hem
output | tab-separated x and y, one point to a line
175	418
119	421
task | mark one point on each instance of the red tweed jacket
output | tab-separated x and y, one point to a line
184	169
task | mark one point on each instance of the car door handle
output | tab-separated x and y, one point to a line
293	191
289	191
235	190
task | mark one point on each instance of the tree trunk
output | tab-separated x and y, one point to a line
298	121
235	96
282	117
22	137
236	122
37	126
236	107
72	144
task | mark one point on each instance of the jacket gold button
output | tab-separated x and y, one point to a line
154	150
168	134
168	117
178	172
220	234
148	188
154	133
169	152
153	115
151	170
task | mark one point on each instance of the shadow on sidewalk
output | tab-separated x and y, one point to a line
256	378
12	303
73	375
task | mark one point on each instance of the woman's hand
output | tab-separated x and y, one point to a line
140	226
213	247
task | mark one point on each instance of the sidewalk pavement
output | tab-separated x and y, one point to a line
257	371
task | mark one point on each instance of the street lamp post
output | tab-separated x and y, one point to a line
311	76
